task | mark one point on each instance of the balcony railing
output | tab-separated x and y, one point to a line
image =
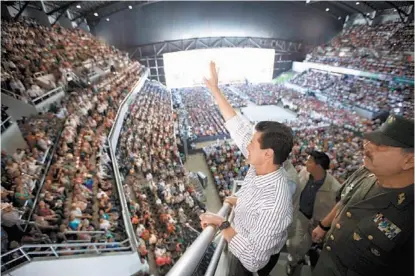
26	253
189	261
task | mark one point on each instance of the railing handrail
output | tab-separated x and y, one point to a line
190	260
42	180
35	100
11	94
96	248
122	104
5	121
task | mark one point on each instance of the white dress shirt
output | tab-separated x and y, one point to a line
264	208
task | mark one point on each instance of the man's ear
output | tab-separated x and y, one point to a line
269	153
409	162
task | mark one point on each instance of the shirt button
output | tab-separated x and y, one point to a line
338	225
349	215
332	237
370	237
328	248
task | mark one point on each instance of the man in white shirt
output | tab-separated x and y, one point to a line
263	206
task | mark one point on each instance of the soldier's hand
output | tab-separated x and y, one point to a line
231	200
318	234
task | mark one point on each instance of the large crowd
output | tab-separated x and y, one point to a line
370	94
63	181
260	94
36	58
201	113
384	48
163	203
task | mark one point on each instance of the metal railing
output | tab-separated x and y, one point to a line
39	185
124	206
12	94
27	252
5	126
189	261
48	94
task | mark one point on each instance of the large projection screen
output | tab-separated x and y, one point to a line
187	68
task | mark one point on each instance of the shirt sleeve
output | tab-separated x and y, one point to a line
255	249
241	132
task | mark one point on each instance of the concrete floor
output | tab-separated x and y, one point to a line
195	163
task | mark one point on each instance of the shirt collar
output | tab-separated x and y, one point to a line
264	180
318	182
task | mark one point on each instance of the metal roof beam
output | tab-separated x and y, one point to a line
139	4
57	18
21	10
397	8
356	10
94	9
63	7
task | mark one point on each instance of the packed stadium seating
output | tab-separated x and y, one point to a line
201	112
78	192
369	94
260	94
68	150
36	59
226	163
384	48
163	203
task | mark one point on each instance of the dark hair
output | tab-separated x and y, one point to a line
278	137
320	158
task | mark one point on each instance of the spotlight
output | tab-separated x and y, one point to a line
130	7
307	1
327	9
78	6
368	14
108	19
357	3
339	18
96	14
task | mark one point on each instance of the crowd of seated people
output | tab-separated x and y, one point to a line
78	192
260	94
369	94
226	163
234	99
373	95
381	48
30	51
312	112
315	80
162	200
202	114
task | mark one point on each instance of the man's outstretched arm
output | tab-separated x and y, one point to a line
213	85
240	129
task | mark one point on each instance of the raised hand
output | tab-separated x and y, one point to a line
212	82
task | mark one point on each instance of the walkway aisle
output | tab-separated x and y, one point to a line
195	163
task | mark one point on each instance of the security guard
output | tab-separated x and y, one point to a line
372	226
314	198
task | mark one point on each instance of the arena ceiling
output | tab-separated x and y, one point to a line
94	11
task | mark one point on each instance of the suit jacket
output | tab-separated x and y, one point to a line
325	198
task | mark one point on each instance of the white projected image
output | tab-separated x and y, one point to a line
187	68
